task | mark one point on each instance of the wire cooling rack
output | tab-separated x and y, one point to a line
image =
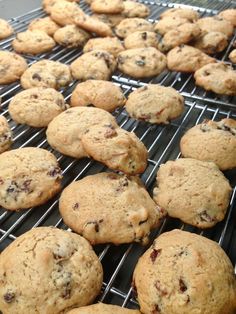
162	143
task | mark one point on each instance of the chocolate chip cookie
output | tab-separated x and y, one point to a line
48	4
155	104
64	133
187	59
116	148
94	25
28	177
60	267
36	106
141	40
98	93
135	9
169	23
182	34
217	77
216	24
141	62
183	273
33	42
85	206
5	135
46	73
186	13
12	66
101	308
110	44
71	36
229	15
212	141
45	24
232	56
96	64
131	25
192	190
110	19
5	29
65	12
107	6
211	43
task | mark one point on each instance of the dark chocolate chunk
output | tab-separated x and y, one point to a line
76	206
182	285
144	35
36	76
54	172
9	297
155	253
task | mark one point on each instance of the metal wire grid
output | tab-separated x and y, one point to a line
162	143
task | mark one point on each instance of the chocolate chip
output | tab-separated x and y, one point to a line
112	176
26	186
96	224
204	128
156	310
9	297
134	290
206	73
60	103
36	76
12	187
120	60
75	206
144	35
182	285
205	217
1	181
155	253
140	63
34	96
54	172
56	256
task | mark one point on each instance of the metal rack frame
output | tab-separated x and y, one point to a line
162	143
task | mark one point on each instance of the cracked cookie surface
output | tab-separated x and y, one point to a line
194	191
184	273
60	267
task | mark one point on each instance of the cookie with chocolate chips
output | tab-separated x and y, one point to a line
212	141
131	25
94	25
12	66
141	40
211	43
155	104
5	135
59	271
107	6
141	62
229	15
65	12
28	177
96	64
101	94
216	24
36	106
183	273
135	9
217	77
33	42
5	29
46	73
45	24
192	190
71	36
110	44
186	13
168	23
101	308
48	4
86	205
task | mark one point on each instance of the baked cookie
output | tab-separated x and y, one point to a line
33	42
180	35
36	106
5	135
232	56
217	77
64	132
155	104
5	29
29	177
94	25
71	36
96	65
135	9
46	73
216	24
141	40
110	44
131	25
45	24
98	93
186	13
107	6
48	4
60	267
110	19
12	66
101	308
183	273
229	15
141	62
116	148
168	24
85	207
212	141
65	12
211	43
187	59
192	190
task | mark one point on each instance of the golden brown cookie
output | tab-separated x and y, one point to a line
85	206
211	43
131	25
185	273
94	25
6	29
232	56
101	308
107	6
229	15
98	93
48	4
71	36
135	9
65	12
45	24
216	24
168	23
110	19
5	135
141	39
110	44
186	13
